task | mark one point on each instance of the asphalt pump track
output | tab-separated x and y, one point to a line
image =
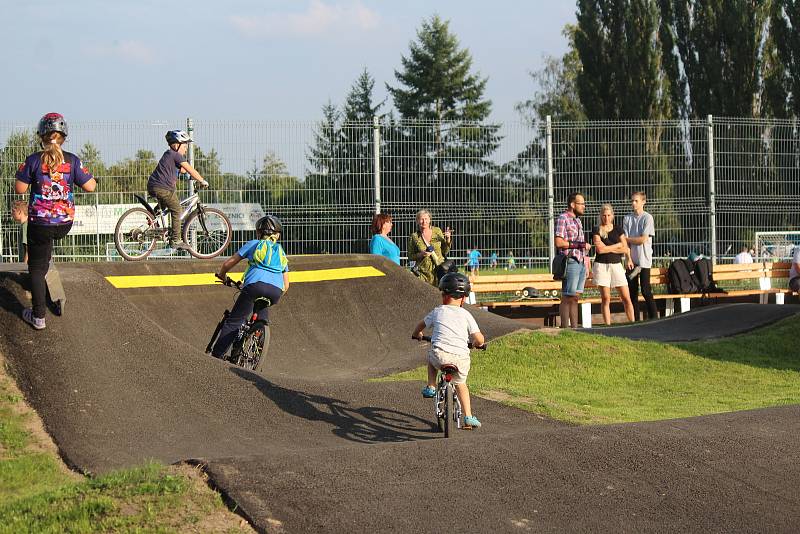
313	446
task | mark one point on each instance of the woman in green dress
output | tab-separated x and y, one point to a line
428	247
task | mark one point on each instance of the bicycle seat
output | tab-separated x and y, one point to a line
260	303
449	368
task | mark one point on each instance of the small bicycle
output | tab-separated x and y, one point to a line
447	407
207	230
252	339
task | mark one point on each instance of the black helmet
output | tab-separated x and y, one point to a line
269	225
177	136
52	122
455	284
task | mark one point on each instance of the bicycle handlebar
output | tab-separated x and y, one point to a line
470	345
230	282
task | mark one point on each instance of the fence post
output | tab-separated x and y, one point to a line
190	131
376	148
712	201
550	193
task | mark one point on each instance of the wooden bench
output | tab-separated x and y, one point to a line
514	284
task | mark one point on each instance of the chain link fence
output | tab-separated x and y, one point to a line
711	185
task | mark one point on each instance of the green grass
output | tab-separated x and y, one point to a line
590	379
39	495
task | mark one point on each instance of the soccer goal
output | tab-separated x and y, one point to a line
776	246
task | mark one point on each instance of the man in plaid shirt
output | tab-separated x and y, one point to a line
571	241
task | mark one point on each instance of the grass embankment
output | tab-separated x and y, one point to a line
590	379
39	494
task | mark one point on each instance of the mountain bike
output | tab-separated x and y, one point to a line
252	339
447	407
206	230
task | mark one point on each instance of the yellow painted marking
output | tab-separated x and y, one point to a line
205	279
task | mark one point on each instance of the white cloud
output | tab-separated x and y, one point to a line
318	19
129	51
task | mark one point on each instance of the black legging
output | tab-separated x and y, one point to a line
40	249
647	293
241	311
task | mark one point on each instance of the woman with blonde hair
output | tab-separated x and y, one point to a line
51	176
428	247
611	246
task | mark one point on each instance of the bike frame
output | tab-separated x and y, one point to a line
188	204
441	394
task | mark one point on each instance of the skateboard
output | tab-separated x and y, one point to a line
55	290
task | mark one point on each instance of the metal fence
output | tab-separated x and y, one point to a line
710	184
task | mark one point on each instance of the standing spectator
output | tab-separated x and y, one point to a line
493	260
639	229
381	243
743	256
51	175
473	261
19	212
428	247
570	241
794	271
611	245
512	263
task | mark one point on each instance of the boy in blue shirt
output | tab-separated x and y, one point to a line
163	182
267	276
473	261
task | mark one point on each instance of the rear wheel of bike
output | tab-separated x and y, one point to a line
441	393
449	423
208	231
135	234
254	345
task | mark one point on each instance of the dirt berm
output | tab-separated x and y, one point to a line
310	446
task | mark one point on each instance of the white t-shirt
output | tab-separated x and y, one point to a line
743	257
635	226
452	327
795	260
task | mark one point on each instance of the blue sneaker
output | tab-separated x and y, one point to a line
470	421
429	392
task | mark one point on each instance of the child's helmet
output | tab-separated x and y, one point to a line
52	122
269	225
455	284
177	136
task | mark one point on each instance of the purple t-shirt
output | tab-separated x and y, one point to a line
51	201
165	174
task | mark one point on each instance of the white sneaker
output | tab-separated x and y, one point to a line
36	322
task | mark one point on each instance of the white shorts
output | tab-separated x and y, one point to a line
437	358
609	275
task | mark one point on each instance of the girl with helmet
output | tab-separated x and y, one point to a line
51	176
267	276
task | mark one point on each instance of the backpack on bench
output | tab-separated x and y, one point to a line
704	273
681	277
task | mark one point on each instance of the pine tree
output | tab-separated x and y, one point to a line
782	80
436	85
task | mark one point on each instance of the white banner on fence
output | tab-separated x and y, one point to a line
102	219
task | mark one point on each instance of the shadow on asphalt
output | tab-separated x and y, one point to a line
366	424
9	300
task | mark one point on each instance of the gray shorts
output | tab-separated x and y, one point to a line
438	357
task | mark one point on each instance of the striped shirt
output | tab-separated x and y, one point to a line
569	227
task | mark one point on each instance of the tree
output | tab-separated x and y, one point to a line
436	85
621	76
782	60
713	55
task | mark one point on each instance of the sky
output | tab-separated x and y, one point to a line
250	59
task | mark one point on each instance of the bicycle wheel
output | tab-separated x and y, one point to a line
208	231
441	393
135	234
449	423
253	345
